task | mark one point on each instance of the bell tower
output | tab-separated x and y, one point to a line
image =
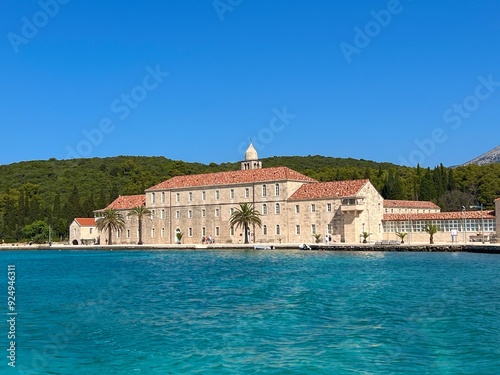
251	159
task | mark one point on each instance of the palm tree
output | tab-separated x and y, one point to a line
365	236
402	235
110	220
244	216
432	229
179	236
139	211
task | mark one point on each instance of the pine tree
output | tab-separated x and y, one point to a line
427	187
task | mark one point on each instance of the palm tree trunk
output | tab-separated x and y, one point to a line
246	233
139	242
110	237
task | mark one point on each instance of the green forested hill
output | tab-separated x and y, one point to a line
55	191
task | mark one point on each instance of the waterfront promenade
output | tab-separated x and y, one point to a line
414	247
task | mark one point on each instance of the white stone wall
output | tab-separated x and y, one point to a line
78	233
205	211
497	214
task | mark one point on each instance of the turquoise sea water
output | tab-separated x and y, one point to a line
252	312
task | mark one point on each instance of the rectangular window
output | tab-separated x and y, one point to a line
128	233
203	195
190	197
162	214
231	194
217	212
264	190
329	207
177	197
203	231
162	232
247	193
190	214
162	197
313	228
217	231
91	230
277	209
278	230
217	194
297	209
152	232
203	212
264	230
190	232
277	189
313	207
153	197
231	231
177	214
297	229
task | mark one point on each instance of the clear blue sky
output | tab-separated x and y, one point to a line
397	81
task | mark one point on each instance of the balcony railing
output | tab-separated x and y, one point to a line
352	204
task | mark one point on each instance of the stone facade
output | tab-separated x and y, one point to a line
497	209
203	211
83	230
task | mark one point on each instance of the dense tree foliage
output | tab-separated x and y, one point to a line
56	191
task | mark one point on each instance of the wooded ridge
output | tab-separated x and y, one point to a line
36	194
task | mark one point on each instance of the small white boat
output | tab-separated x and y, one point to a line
262	247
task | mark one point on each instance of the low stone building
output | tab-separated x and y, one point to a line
464	226
83	231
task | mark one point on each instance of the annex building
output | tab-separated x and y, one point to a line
293	208
83	231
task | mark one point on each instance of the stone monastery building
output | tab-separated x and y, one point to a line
293	209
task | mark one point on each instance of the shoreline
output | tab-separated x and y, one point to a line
419	247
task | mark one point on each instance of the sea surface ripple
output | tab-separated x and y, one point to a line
255	312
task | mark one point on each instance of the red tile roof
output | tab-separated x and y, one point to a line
459	215
127	202
232	177
391	203
333	189
85	221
